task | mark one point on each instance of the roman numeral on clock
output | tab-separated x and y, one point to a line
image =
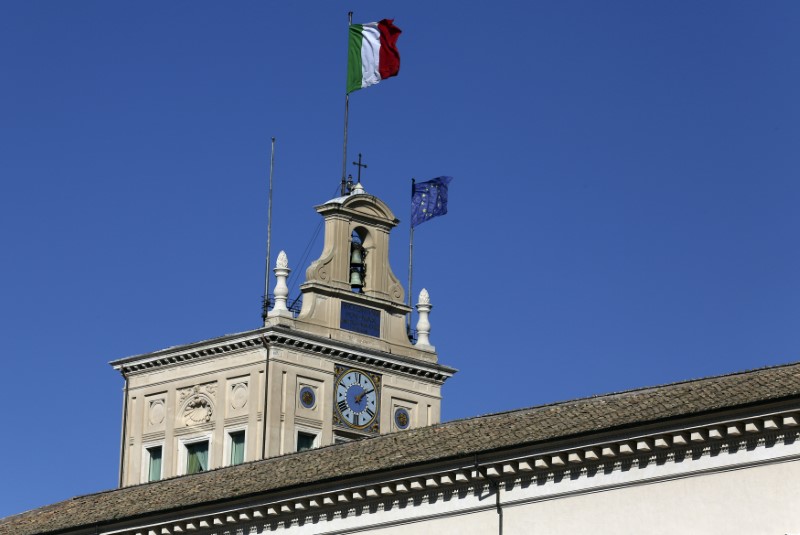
343	406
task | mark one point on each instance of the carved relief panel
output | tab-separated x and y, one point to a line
155	412
238	396
196	404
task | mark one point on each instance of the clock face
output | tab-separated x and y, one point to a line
357	399
307	397
401	418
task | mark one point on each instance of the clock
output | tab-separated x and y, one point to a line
401	418
357	400
307	397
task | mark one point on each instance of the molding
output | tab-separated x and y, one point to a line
286	339
683	451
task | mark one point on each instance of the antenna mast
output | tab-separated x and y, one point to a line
346	110
410	259
265	304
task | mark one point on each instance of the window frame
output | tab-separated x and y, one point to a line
146	459
228	448
183	451
308	431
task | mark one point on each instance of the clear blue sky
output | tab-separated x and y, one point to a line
624	211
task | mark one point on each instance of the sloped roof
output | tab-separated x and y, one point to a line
452	440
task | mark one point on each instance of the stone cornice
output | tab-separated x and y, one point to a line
677	446
286	338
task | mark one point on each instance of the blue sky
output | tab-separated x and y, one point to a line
624	211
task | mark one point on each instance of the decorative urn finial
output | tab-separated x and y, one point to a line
283	261
281	289
423	324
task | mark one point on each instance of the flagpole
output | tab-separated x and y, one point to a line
265	305
346	112
410	258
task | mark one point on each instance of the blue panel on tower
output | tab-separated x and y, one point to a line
360	319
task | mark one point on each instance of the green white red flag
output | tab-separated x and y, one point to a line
372	54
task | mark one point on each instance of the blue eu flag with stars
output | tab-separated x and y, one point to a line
429	199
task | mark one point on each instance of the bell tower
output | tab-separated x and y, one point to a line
350	291
341	368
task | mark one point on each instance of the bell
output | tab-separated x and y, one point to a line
355	256
355	280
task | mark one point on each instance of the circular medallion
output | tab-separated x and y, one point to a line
401	418
307	397
157	412
239	396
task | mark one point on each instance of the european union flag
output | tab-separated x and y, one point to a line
429	199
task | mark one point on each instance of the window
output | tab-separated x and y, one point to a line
342	437
306	441
237	447
196	457
154	463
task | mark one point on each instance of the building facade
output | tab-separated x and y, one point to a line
716	455
344	368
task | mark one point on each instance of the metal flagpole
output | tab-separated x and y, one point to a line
346	111
410	257
265	305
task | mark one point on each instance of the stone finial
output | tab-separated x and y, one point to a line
423	325
281	289
424	297
358	189
283	261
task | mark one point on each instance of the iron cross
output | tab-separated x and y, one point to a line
360	165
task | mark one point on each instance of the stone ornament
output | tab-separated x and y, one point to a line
424	297
281	290
157	412
197	411
283	261
396	291
208	389
239	396
197	402
423	325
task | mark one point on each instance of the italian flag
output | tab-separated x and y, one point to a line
372	55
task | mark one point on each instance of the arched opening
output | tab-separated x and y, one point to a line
358	259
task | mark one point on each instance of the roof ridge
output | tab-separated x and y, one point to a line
617	393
